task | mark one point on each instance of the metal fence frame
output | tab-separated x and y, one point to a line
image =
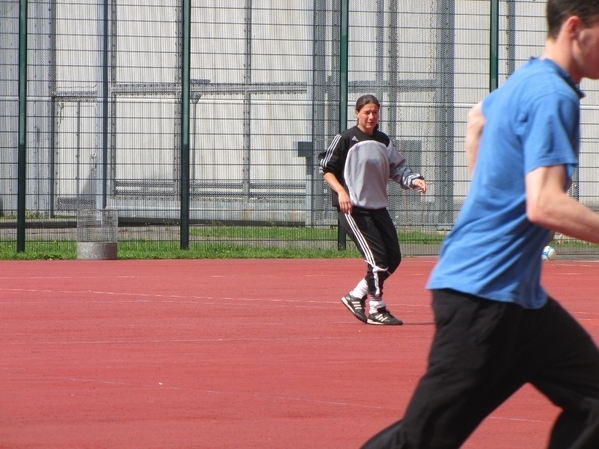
335	76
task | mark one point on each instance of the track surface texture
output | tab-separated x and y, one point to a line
230	353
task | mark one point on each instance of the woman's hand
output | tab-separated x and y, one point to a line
420	185
342	195
344	202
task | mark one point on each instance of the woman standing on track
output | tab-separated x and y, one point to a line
357	166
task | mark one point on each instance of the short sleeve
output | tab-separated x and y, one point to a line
551	132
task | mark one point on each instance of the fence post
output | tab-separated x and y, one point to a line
343	88
22	150
185	75
494	53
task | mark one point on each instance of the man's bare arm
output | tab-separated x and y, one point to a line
474	130
549	206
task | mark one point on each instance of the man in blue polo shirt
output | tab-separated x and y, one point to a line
496	327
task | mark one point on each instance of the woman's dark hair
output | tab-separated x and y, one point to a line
558	12
366	99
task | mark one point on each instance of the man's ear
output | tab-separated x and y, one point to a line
573	26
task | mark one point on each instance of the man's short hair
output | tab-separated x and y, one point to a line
558	12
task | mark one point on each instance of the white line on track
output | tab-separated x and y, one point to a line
177	298
161	385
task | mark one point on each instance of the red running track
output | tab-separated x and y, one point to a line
229	353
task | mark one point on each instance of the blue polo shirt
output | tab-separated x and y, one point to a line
494	251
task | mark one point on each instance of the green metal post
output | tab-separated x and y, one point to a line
185	87
343	65
22	149
494	54
105	106
343	92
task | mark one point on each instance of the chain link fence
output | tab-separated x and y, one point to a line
105	112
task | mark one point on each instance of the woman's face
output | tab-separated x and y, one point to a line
368	118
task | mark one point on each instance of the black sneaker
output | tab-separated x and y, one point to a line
382	316
355	306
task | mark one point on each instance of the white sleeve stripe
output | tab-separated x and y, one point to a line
330	151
